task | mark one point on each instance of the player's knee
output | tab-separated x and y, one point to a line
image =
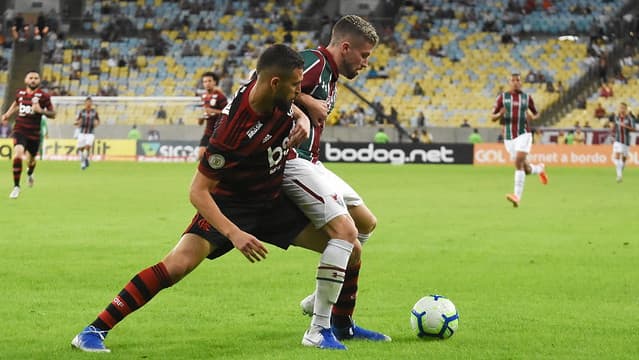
343	228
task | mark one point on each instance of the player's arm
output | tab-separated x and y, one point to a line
48	111
531	113
499	110
12	110
200	196
96	121
302	126
317	109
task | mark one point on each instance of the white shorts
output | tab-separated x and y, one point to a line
521	143
85	140
618	147
317	191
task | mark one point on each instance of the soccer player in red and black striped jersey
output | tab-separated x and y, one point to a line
30	104
212	101
236	191
86	121
514	109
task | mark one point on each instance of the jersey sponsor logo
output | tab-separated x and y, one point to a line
25	110
266	138
216	161
254	129
275	156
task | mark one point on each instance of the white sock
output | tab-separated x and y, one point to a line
363	237
520	178
330	278
619	167
535	169
83	155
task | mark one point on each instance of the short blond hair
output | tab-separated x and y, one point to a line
354	25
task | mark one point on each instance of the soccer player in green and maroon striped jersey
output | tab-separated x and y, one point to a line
514	109
328	201
622	124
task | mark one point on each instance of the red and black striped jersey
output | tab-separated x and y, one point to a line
247	151
214	100
86	120
28	122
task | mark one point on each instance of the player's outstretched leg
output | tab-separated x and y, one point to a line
137	292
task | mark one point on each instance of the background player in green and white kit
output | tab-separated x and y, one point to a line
515	109
328	201
623	124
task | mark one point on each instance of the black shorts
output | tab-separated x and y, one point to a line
204	141
277	222
30	145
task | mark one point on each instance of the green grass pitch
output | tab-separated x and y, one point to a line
556	278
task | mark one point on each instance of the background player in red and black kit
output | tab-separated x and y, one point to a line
236	191
30	103
212	101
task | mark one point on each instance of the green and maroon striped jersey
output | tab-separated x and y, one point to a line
516	105
622	134
320	79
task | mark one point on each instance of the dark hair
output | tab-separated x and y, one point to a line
32	71
212	75
279	58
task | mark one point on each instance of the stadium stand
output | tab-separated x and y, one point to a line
474	49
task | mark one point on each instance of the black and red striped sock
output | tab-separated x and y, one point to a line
345	305
17	171
140	290
31	168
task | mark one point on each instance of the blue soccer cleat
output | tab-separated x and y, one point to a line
322	338
91	339
358	333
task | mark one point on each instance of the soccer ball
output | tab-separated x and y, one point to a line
434	316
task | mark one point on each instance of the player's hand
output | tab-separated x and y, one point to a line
248	245
300	131
200	120
4	119
36	108
317	111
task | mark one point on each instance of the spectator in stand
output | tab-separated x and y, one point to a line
426	138
570	138
605	90
600	112
474	137
465	124
587	125
381	137
417	89
134	133
581	103
531	77
161	114
536	136
580	137
153	134
414	136
561	138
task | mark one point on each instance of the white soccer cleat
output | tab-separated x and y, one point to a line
319	337
308	305
15	193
